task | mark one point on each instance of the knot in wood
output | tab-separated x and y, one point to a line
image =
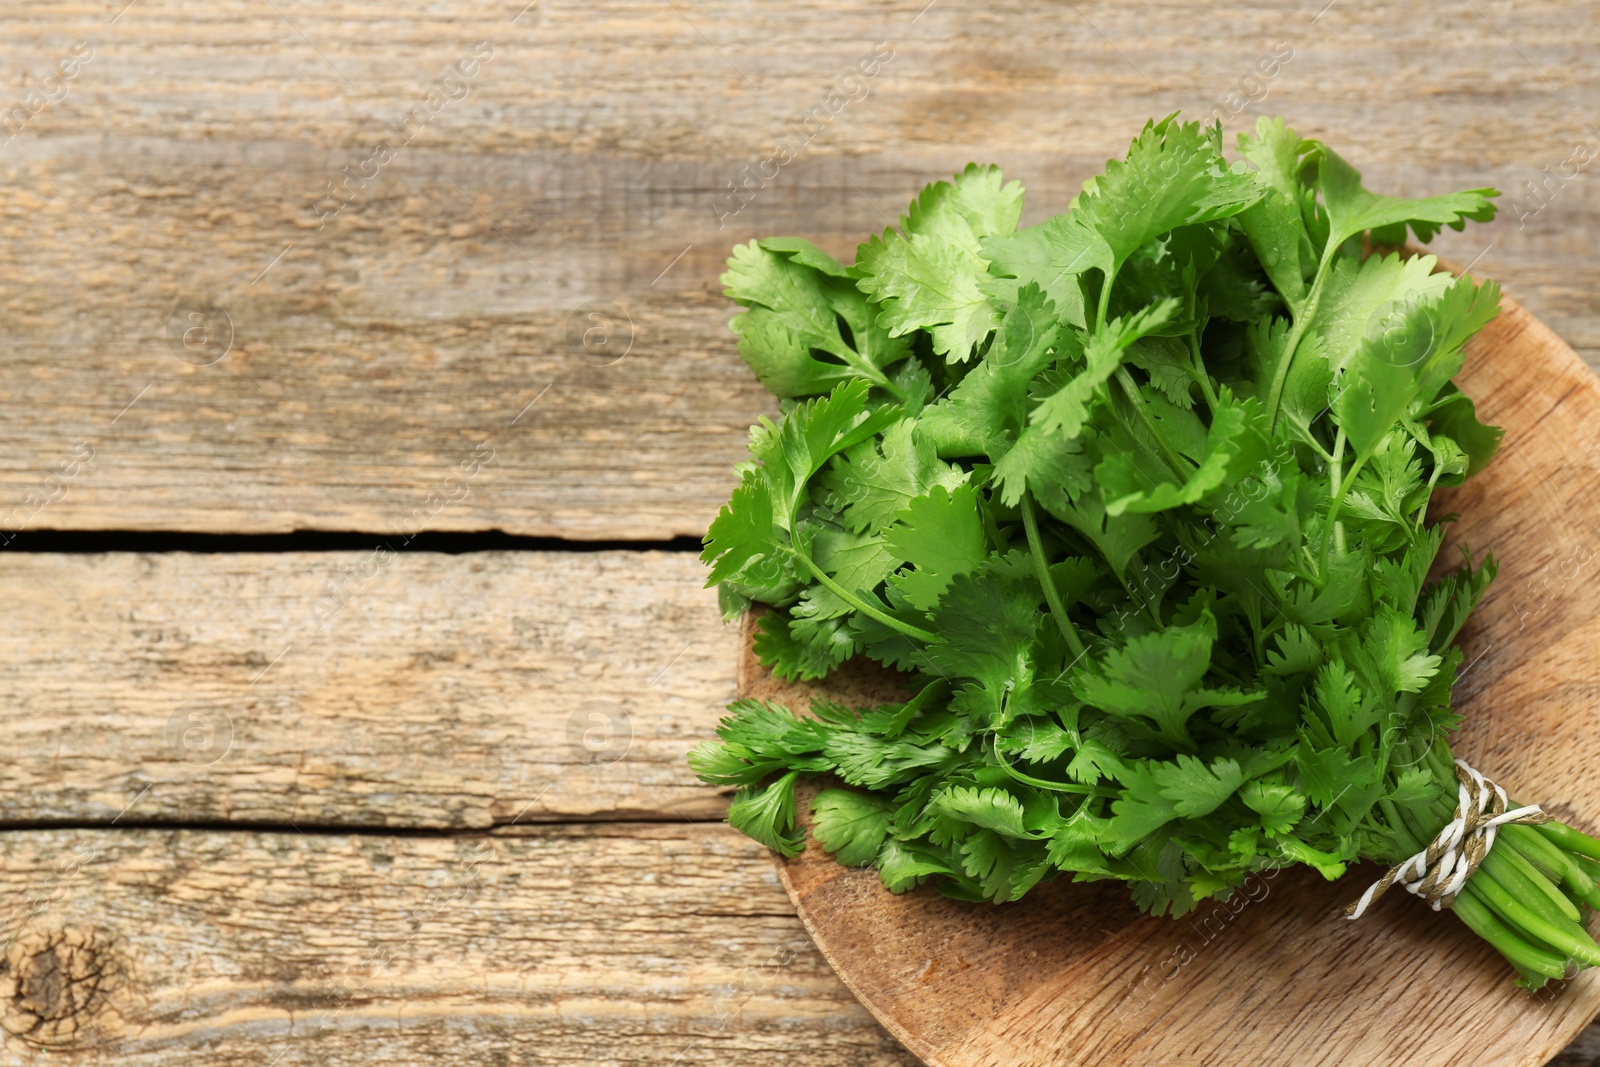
55	985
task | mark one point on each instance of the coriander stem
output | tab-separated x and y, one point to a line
861	605
866	370
1337	484
1041	567
1302	321
1338	501
1131	389
1040	783
1105	301
1572	840
1200	374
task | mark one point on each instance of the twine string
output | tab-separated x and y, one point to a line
1438	873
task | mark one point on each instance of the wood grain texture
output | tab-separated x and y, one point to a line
450	691
592	161
1073	974
369	359
602	945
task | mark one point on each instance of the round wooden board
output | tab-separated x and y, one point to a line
1074	974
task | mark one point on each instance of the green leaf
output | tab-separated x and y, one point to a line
1347	711
1050	256
810	434
766	813
928	275
1194	788
904	865
1279	806
850	825
989	407
1417	347
1154	677
986	630
942	536
796	301
1065	409
871	484
1121	482
1398	652
1275	226
1359	294
991	809
1328	772
747	549
1455	416
1172	176
1353	210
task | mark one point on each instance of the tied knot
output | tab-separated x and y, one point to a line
1438	873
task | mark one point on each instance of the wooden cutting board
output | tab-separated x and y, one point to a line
1073	974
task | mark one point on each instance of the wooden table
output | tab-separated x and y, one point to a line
438	283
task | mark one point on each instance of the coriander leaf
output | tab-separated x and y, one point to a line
987	629
810	434
1155	678
795	308
1357	294
746	548
1125	490
1455	416
1173	175
1279	806
1065	409
927	275
872	483
1346	710
851	825
1275	226
1399	359
992	809
874	762
1352	209
1328	772
1050	255
766	813
1194	788
1395	651
984	413
903	865
940	535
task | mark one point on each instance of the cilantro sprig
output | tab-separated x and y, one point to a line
1136	500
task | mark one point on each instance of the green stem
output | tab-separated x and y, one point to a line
1104	302
1308	311
1531	888
1560	936
1059	787
1130	389
1333	510
866	370
1532	844
1483	906
861	605
1570	839
1041	567
1481	920
1199	372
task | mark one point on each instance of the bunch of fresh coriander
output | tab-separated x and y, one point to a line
1136	500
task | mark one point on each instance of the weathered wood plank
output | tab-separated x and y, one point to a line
430	691
589	162
621	943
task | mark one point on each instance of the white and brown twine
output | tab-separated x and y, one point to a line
1438	872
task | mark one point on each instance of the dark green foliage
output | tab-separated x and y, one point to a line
1153	554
